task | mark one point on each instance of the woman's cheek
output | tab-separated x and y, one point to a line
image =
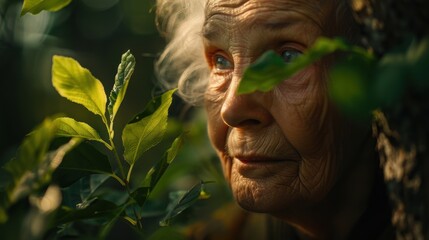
302	110
217	129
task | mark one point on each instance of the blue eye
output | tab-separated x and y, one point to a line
221	63
290	54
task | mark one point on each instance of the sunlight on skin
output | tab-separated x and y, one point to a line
286	152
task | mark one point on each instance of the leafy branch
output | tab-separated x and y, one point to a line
78	162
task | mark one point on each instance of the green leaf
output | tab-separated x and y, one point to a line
83	160
351	86
146	129
33	166
32	150
89	186
270	69
108	226
182	202
36	6
68	127
78	85
140	195
125	70
84	191
97	209
156	172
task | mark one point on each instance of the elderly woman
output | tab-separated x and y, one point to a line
288	153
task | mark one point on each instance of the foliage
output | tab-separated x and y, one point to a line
270	69
36	6
359	82
74	175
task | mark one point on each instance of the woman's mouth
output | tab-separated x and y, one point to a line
261	167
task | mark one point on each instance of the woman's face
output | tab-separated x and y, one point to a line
283	149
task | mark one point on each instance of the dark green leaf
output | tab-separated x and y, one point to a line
350	86
108	226
89	186
125	70
36	6
87	159
33	166
146	129
182	202
86	190
270	69
140	195
156	172
96	209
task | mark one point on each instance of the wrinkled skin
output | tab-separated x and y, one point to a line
286	152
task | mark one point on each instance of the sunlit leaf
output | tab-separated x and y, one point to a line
182	202
270	69
146	129
78	85
156	172
36	6
68	127
125	70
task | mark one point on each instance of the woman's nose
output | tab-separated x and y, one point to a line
247	110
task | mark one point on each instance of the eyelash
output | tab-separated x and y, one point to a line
296	54
218	59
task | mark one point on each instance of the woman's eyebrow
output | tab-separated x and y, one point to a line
209	32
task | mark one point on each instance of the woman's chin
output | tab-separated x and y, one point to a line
265	187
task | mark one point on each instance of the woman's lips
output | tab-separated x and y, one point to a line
261	167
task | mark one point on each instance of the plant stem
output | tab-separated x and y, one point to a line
112	144
129	172
137	216
113	175
121	168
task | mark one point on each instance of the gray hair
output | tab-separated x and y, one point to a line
182	63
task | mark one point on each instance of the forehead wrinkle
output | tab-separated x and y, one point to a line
244	13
